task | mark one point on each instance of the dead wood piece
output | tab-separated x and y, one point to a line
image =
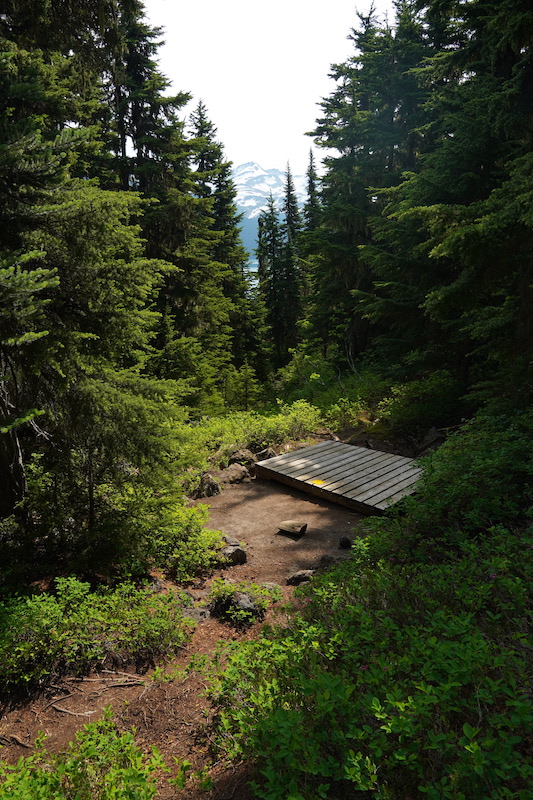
123	683
117	672
65	697
75	713
11	738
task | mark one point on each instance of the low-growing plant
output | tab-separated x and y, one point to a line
181	545
218	437
75	629
482	476
101	764
403	679
420	404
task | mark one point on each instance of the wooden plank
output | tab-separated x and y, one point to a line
364	474
387	472
399	492
365	490
331	466
388	484
312	458
295	462
296	454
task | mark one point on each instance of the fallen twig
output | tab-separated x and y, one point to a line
56	699
9	738
124	683
75	713
117	672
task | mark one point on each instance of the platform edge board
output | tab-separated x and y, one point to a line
297	453
388	487
389	501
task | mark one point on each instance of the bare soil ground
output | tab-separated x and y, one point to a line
175	716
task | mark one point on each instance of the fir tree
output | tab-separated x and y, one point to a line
312	203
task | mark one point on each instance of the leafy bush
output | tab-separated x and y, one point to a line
45	635
480	477
181	546
403	679
102	764
213	440
418	405
344	399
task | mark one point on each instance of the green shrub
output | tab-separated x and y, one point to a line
102	764
181	546
406	680
418	405
481	477
43	636
212	441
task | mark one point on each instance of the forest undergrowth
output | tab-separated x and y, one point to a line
138	352
407	672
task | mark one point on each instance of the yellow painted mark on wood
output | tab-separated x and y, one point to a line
317	482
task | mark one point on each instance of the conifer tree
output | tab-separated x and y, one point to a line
443	265
371	121
312	204
270	274
291	272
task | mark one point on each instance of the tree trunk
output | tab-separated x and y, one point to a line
12	475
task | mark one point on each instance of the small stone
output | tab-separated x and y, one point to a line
271	587
302	576
293	526
197	614
234	555
231	540
345	543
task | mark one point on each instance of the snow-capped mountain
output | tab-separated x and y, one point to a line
254	185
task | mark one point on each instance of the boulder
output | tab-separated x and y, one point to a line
233	555
235	473
208	487
243	601
244	457
302	576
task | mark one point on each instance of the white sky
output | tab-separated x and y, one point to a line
260	66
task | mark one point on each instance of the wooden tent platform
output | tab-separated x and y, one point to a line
365	480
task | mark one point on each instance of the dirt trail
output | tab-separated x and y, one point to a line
252	513
175	716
